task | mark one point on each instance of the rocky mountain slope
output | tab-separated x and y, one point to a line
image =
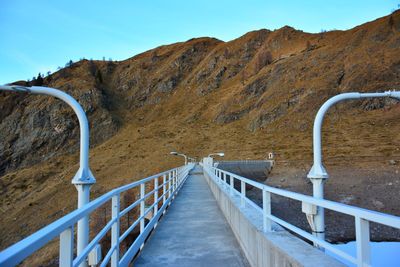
247	97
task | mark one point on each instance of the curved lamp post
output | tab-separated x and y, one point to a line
179	154
318	174
84	178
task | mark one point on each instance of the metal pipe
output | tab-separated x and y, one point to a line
318	173
180	154
84	178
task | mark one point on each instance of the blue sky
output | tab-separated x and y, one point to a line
37	36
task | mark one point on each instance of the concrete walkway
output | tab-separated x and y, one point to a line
193	232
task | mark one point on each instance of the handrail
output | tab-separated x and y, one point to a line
14	254
362	216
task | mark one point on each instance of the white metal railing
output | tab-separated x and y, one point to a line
172	181
362	216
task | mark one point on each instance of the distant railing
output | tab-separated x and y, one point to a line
172	180
362	216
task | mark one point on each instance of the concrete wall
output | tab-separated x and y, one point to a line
273	249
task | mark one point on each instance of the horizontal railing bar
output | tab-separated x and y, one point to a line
145	180
108	256
22	249
130	228
166	192
141	217
149	208
126	233
147	195
248	200
253	204
142	237
94	241
312	238
370	215
161	185
137	202
246	180
299	231
130	207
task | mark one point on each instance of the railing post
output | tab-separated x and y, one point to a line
155	210
67	247
267	226
164	190
115	208
231	184
173	184
242	193
169	185
224	175
362	240
178	178
178	175
142	207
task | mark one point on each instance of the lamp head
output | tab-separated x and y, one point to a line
221	154
173	153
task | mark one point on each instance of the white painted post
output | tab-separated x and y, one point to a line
178	178
173	184
242	193
231	184
362	240
224	175
142	206
67	247
115	208
267	224
142	209
155	210
164	190
169	186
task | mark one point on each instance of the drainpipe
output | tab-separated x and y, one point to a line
84	178
318	174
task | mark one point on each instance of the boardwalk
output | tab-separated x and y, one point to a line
193	232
